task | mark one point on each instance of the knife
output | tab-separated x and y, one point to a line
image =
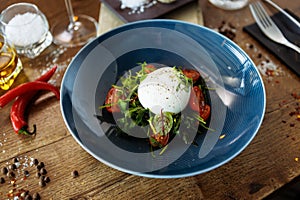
284	12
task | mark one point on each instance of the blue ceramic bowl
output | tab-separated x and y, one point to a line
236	93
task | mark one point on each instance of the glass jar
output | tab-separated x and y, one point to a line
25	27
10	64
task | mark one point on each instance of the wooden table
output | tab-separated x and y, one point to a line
268	163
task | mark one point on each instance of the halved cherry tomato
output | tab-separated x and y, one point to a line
149	68
192	74
197	103
159	140
112	99
205	112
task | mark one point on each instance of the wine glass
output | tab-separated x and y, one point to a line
76	31
229	4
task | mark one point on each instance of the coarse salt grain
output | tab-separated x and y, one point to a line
132	3
25	29
137	6
268	68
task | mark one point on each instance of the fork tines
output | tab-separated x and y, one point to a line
264	19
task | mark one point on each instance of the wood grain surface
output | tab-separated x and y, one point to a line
269	162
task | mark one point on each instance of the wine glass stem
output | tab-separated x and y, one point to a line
70	13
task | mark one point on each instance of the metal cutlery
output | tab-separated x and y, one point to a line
284	12
268	27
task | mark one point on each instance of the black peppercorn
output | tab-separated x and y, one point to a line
11	174
43	171
47	179
36	196
35	162
42	178
15	160
24	193
2	180
28	197
38	167
38	174
75	173
42	164
26	173
42	183
13	167
4	170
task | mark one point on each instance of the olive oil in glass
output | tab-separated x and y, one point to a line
10	65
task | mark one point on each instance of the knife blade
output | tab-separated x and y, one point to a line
284	12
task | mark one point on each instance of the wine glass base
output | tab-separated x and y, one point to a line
72	35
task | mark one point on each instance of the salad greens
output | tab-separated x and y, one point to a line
159	128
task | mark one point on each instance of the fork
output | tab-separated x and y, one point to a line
268	27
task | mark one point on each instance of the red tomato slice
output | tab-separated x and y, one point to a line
149	68
159	140
197	103
192	74
205	112
112	99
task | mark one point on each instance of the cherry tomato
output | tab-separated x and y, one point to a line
159	140
205	112
149	68
192	74
197	103
112	99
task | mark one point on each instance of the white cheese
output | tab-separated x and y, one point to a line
164	90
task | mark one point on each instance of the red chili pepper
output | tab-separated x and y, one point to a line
17	114
24	88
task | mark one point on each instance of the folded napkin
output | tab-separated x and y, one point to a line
288	56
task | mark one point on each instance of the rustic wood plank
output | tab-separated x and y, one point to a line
106	183
47	117
270	161
59	167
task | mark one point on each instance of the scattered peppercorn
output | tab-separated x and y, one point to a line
42	164
35	162
42	183
38	167
259	55
26	173
15	174
75	173
38	174
13	167
43	171
42	178
24	194
47	179
2	180
15	160
4	170
28	197
36	196
227	29
11	174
